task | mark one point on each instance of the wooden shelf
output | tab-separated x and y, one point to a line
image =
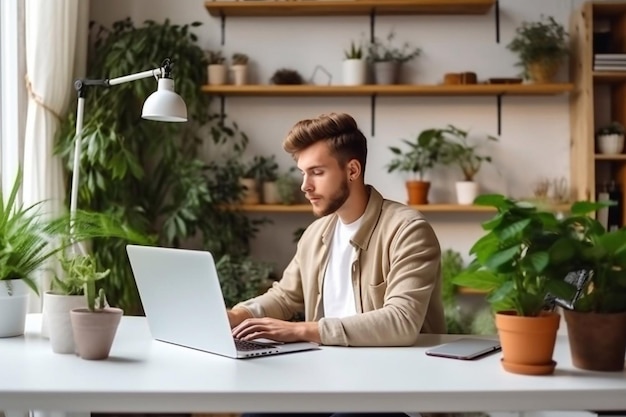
604	157
609	77
387	90
425	208
346	7
608	8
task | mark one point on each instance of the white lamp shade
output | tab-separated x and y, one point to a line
164	105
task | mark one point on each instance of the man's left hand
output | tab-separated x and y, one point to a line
279	330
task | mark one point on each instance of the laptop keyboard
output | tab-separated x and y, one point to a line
244	345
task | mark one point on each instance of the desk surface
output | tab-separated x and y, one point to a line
143	375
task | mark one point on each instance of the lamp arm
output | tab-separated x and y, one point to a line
81	88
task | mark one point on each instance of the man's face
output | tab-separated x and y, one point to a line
324	182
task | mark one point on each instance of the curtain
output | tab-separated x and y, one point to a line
52	28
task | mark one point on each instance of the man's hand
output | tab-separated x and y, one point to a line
237	315
279	330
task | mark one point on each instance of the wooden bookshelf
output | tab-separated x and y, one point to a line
425	208
263	90
605	157
347	7
609	76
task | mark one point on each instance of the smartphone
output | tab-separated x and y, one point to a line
465	348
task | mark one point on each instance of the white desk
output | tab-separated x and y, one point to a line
143	375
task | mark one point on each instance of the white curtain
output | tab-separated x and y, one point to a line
52	30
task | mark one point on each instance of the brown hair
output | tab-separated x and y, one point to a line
338	130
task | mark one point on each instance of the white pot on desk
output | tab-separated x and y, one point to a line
13	307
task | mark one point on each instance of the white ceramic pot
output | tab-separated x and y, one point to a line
240	74
13	307
354	72
217	74
610	144
56	315
466	192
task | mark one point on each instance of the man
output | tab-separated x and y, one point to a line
367	273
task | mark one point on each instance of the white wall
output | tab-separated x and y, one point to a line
534	142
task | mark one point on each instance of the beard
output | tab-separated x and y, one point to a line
335	201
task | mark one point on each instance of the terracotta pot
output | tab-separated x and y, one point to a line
528	342
94	331
597	341
418	191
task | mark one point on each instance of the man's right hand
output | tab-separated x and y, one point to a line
237	315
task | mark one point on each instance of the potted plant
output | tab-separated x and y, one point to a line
93	327
423	154
541	47
466	156
610	139
287	186
354	67
596	317
67	287
388	58
267	173
521	262
25	238
239	68
215	67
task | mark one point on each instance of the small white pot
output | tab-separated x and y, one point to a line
466	192
354	72
13	307
56	314
217	74
610	144
240	74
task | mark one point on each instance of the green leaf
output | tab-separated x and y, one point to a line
502	257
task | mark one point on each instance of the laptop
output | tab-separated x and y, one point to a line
183	303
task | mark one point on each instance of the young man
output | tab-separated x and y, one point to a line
367	273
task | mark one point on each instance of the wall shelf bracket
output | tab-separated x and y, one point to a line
497	16
222	109
499	112
372	26
373	114
223	28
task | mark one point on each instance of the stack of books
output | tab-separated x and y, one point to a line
609	62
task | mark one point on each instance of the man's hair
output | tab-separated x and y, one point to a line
338	130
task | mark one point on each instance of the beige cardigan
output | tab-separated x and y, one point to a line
396	279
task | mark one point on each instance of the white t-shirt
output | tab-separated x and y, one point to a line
337	291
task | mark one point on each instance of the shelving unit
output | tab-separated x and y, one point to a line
425	208
388	90
347	7
374	91
588	168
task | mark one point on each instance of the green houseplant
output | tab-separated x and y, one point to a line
239	68
388	58
522	261
610	138
468	158
93	327
354	66
423	154
541	47
152	176
597	315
